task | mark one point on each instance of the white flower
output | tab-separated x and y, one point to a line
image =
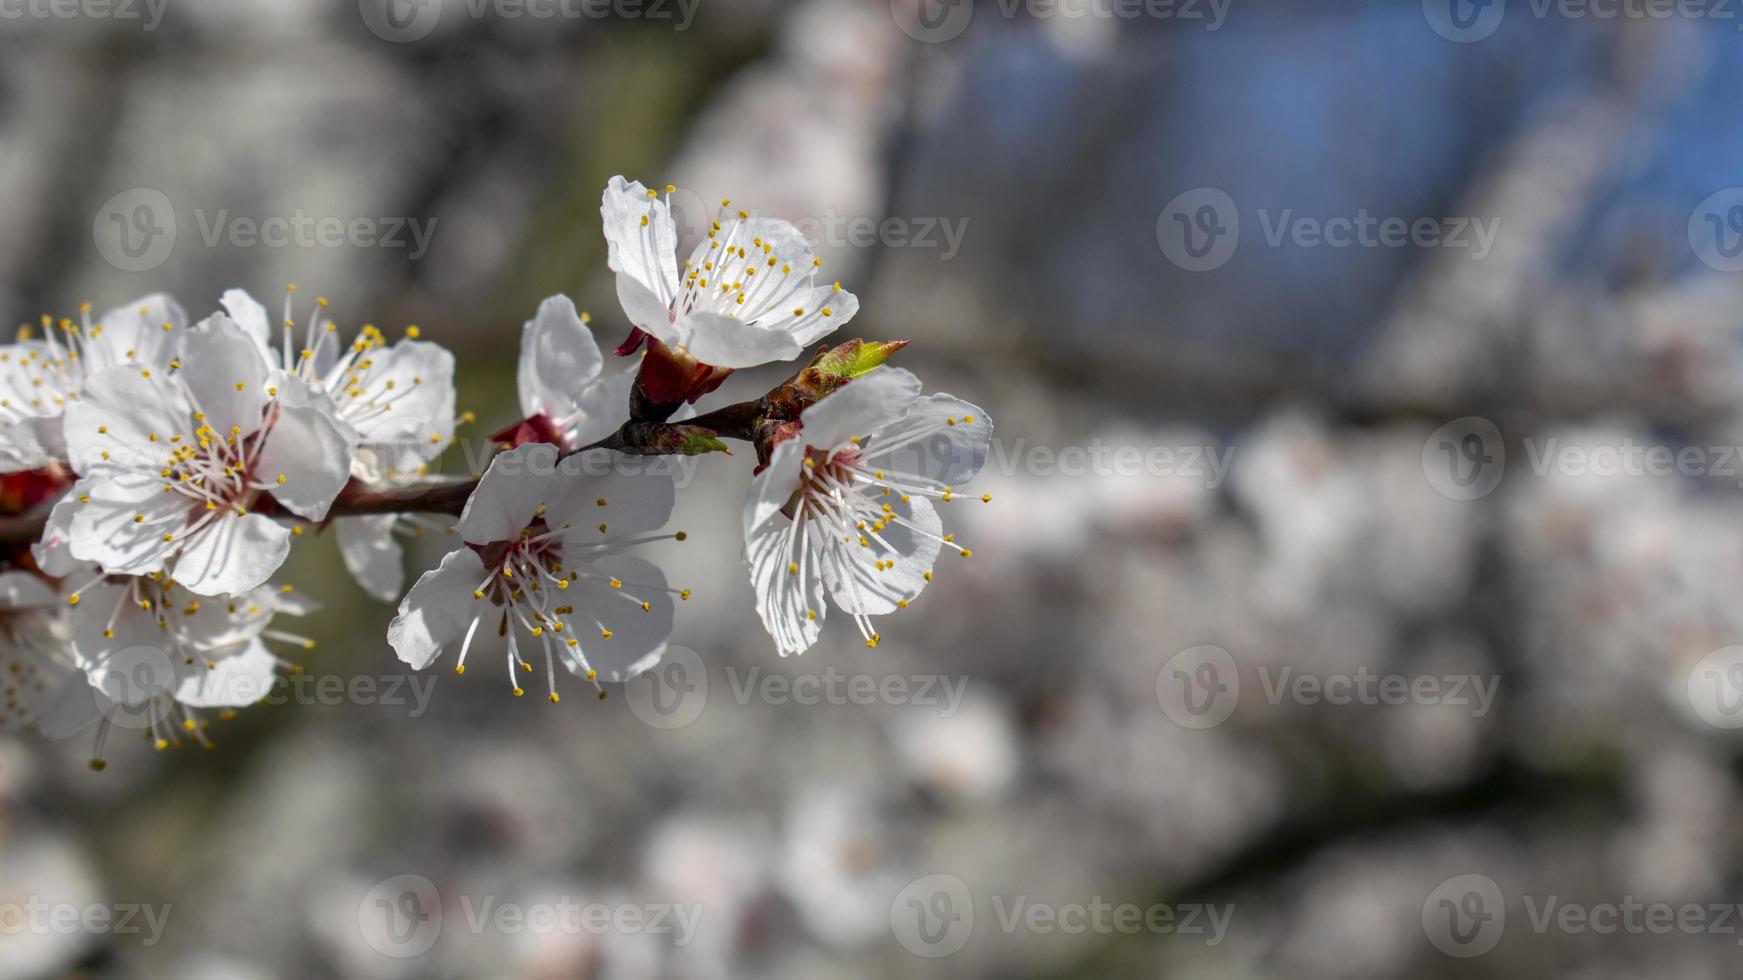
747	295
39	378
396	404
845	506
139	653
175	464
544	556
565	397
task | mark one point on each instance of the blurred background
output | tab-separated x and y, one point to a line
1359	593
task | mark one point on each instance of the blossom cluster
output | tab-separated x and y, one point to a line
164	469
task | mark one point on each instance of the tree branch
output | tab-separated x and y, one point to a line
353	501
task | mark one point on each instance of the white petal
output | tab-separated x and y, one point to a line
372	555
860	407
308	449
785	600
646	310
232	554
125	654
22	590
935	449
638	638
601	408
732	343
646	252
509	496
840	303
248	314
226	373
111	426
62	707
774	486
558	356
638	492
236	681
219	629
437	610
31	444
133	333
858	586
53	552
105	527
412	421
